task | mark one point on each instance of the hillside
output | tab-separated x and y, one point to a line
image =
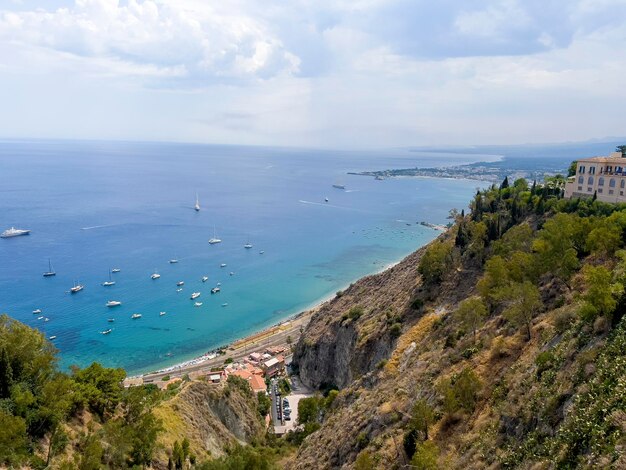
511	350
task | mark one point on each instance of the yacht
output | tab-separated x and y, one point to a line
52	337
106	332
197	205
76	288
39	318
205	278
46	319
161	314
14	232
174	261
195	295
215	290
232	273
155	275
110	282
248	245
214	240
50	271
180	283
37	311
198	304
134	316
115	270
223	265
113	303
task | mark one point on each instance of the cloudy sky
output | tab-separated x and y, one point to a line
323	73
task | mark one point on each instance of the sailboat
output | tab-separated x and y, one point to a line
197	206
110	282
248	245
50	271
214	240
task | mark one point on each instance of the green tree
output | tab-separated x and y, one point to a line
91	452
426	456
101	387
477	240
604	240
471	313
571	170
466	387
505	183
6	374
422	416
364	461
555	245
178	456
436	261
13	439
523	302
602	293
264	403
621	148
308	410
517	238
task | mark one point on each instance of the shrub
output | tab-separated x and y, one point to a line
426	456
395	330
362	440
355	312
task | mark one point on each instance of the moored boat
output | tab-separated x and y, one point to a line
215	290
134	316
76	288
113	303
50	272
37	311
14	232
106	332
205	278
195	295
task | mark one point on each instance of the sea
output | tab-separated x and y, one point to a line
93	206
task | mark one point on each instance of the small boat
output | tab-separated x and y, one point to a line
155	275
325	199
339	186
134	316
173	261
14	232
214	240
76	288
261	252
113	303
197	205
115	270
106	332
52	337
215	290
50	272
37	311
223	265
218	284
198	304
205	278
225	304
231	273
46	319
248	245
180	283
39	318
161	314
179	290
195	295
110	282
111	320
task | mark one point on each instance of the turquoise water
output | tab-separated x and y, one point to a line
92	206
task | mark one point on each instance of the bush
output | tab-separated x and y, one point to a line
395	330
362	440
426	456
355	313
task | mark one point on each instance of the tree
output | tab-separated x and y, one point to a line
178	456
604	240
571	171
308	410
422	416
364	461
470	313
505	183
523	303
602	292
264	403
426	456
555	245
621	148
13	441
478	238
520	184
6	374
435	262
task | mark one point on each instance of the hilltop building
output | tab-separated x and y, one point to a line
604	176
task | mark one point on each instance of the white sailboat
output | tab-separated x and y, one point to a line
214	240
110	282
50	271
197	206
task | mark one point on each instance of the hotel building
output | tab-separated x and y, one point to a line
604	176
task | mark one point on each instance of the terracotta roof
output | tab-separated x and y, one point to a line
257	383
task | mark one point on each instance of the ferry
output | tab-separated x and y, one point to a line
134	316
14	232
113	303
195	295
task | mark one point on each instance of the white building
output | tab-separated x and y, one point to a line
604	176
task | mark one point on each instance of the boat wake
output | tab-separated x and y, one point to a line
325	204
98	226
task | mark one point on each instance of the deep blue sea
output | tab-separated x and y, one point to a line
93	206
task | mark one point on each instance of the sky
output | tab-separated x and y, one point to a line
314	73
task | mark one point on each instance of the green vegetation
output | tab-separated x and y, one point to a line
37	400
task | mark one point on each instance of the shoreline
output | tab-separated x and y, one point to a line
276	333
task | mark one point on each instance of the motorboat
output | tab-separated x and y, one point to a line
53	337
37	311
195	295
155	275
14	232
231	273
180	283
180	289
173	261
115	270
111	320
134	316
106	332
205	278
198	304
215	290
113	303
225	304
223	265
161	314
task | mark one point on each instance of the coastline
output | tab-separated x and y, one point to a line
275	334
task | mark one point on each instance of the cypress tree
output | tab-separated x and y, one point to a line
533	189
505	183
6	374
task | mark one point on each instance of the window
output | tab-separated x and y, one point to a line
590	180
589	190
600	190
580	188
612	183
581	179
622	184
601	181
592	170
581	170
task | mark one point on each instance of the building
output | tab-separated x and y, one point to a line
603	176
273	366
257	384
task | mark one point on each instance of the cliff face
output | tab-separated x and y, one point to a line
210	417
357	329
